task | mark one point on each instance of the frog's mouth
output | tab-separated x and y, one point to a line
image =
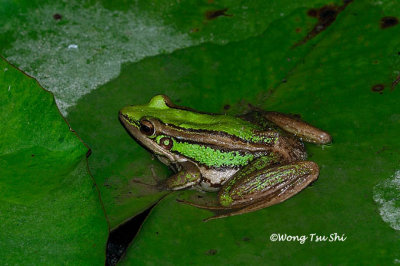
133	129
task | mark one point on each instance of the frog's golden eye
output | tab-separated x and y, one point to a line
146	127
166	143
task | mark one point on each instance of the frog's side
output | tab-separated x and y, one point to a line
255	161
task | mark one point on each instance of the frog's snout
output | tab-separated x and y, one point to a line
121	116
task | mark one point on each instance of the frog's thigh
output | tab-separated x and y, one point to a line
258	165
188	177
299	128
268	186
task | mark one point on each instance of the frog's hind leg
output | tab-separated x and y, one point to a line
259	163
299	128
266	187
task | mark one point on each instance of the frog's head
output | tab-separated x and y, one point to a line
146	122
171	132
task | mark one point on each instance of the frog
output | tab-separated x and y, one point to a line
253	161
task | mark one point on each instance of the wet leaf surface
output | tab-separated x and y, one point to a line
50	209
336	65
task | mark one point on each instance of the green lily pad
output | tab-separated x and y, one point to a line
117	160
79	46
334	66
50	209
344	84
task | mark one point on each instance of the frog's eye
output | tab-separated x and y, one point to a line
146	127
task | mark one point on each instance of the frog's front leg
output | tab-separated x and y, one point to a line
265	187
187	177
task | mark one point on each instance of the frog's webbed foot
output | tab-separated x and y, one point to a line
219	211
159	186
201	206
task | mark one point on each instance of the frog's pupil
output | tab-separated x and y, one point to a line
146	128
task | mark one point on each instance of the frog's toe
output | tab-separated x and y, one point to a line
159	186
201	206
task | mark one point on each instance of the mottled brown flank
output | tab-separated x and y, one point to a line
326	15
387	22
213	14
378	88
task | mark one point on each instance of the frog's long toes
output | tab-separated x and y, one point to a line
159	186
180	201
137	181
210	218
188	203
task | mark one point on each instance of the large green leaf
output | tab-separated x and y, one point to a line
225	70
50	210
333	87
79	46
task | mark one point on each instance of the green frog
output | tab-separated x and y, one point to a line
254	160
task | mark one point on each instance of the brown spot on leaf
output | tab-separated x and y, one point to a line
378	88
312	12
395	82
213	14
381	150
326	15
57	16
387	22
32	155
227	107
211	252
